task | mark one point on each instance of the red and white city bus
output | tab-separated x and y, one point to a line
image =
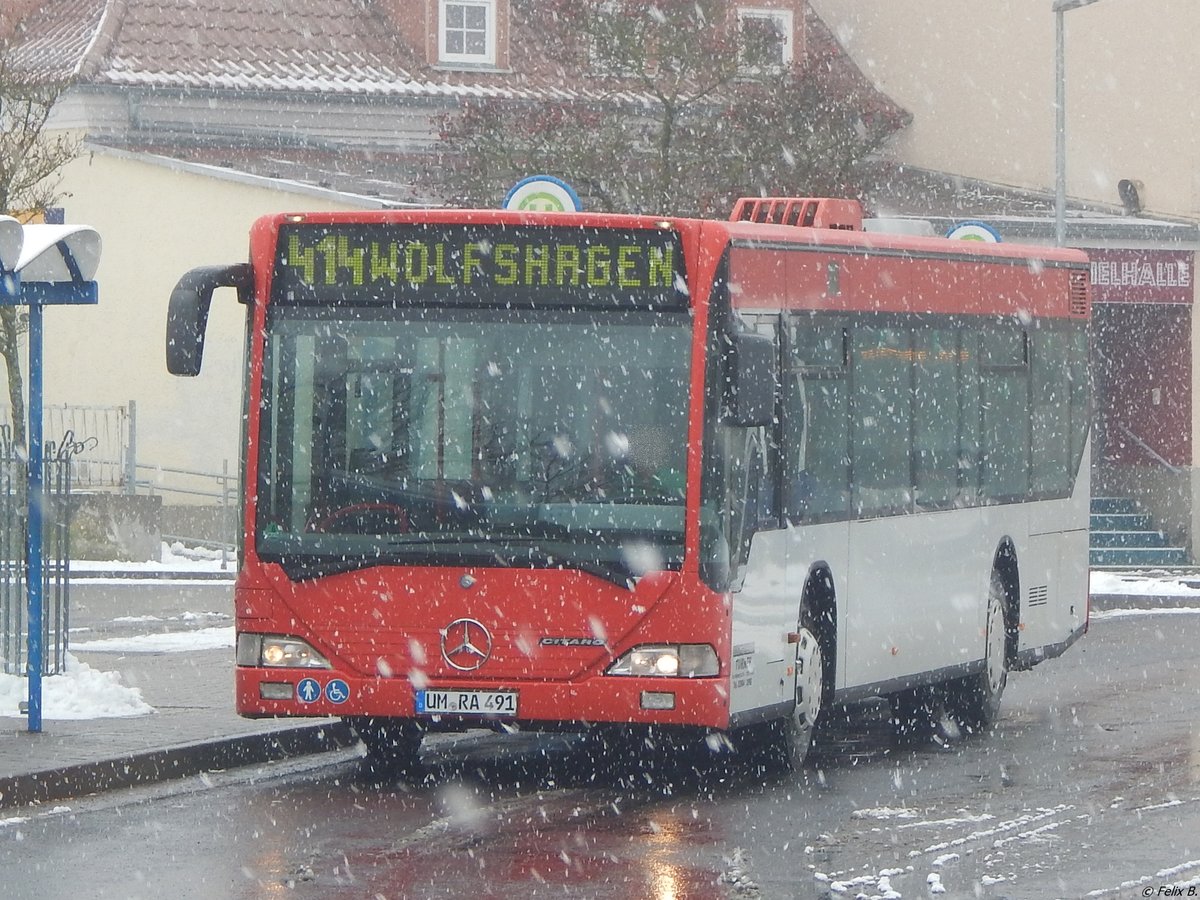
532	470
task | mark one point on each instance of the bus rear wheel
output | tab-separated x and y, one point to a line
393	745
974	701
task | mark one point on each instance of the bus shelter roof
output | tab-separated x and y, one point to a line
58	253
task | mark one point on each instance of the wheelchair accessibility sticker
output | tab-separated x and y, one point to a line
337	691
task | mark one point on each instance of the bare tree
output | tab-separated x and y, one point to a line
677	106
31	161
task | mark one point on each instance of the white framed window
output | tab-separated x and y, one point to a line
768	36
467	32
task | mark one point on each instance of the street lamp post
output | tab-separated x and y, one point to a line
1060	8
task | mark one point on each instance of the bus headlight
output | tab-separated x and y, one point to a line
668	660
278	651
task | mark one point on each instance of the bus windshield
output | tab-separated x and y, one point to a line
473	437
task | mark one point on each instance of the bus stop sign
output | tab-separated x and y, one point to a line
42	265
542	193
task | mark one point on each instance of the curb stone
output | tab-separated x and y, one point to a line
154	766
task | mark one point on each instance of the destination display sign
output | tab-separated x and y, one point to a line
376	264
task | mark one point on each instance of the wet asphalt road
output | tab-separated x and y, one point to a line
1089	786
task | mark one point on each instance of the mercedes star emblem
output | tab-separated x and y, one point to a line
466	644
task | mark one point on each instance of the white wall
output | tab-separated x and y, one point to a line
979	79
156	223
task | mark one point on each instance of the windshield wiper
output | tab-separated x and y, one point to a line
302	567
305	561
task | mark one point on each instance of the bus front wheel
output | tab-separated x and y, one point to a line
974	701
798	727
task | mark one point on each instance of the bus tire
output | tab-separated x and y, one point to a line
797	728
974	701
393	745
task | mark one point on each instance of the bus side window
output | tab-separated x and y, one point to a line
760	453
882	407
815	425
750	496
937	416
1051	433
1004	376
970	449
767	462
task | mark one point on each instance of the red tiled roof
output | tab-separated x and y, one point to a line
330	47
337	46
53	41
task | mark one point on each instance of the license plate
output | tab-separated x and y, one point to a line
467	703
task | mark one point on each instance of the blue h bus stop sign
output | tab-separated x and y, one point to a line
42	265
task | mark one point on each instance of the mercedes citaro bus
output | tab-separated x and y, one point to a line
537	471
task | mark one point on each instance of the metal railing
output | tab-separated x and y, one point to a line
100	438
14	568
100	443
167	480
1149	451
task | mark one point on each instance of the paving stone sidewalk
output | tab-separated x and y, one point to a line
193	729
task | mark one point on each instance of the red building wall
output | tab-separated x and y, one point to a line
1142	355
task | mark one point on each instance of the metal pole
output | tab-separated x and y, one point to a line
224	512
1060	8
131	451
1060	131
34	548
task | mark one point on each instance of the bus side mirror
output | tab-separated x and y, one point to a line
187	312
749	380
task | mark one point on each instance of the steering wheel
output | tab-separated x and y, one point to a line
384	512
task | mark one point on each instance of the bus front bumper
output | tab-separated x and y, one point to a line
270	692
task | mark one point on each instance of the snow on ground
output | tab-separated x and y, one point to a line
176	560
1128	613
172	642
995	851
1145	585
81	692
958	837
1176	588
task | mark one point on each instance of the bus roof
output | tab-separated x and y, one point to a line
766	233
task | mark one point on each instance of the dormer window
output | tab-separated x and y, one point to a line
767	37
467	32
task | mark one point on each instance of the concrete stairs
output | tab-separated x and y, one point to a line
1124	536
